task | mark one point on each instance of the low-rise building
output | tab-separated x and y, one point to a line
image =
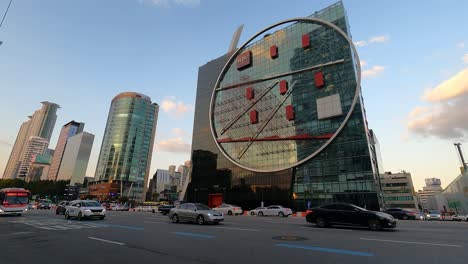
398	190
432	188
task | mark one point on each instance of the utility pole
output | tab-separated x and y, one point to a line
462	159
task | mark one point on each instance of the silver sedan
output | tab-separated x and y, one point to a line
195	212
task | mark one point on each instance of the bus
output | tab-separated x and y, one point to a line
14	201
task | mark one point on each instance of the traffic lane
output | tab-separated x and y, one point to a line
321	239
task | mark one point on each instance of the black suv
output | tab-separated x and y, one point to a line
349	214
399	213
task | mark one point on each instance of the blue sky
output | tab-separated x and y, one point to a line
80	54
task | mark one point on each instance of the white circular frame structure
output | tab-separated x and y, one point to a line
345	121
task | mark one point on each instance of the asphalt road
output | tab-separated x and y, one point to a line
136	237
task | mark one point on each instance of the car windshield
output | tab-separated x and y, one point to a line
91	204
434	212
201	207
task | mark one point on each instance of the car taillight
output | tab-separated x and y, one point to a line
411	213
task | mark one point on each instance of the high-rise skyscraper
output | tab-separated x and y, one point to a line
35	146
127	145
68	130
40	124
75	158
287	120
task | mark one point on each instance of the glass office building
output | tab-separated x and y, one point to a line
128	141
305	142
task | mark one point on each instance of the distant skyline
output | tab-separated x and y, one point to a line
80	54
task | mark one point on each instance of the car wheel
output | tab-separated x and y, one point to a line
281	214
260	213
175	219
321	222
215	223
252	213
102	217
229	212
200	220
57	212
375	225
80	216
67	215
405	217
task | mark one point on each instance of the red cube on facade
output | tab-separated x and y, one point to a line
283	84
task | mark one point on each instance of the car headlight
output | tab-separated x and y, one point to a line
209	214
87	210
1	211
103	210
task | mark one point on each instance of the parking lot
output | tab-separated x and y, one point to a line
124	237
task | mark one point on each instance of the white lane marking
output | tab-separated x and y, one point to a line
108	241
19	233
426	229
154	222
410	242
235	228
326	229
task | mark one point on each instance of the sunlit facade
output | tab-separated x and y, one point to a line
128	141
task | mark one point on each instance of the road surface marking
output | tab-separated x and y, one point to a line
108	241
193	235
235	228
124	227
325	229
154	222
330	250
18	233
410	242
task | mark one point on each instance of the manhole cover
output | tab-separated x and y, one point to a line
289	238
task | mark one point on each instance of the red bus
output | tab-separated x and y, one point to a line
14	201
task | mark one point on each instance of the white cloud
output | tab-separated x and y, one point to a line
180	132
173	107
465	58
445	117
173	145
449	89
169	3
379	39
360	43
374	71
461	45
372	40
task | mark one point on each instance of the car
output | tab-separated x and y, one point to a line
432	215
43	206
256	210
229	209
82	209
145	208
349	214
165	209
195	212
61	207
399	213
446	216
458	217
275	210
120	207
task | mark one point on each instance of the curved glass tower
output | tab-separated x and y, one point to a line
128	141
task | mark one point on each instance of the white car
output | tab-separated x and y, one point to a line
463	218
146	208
275	210
85	209
229	209
256	210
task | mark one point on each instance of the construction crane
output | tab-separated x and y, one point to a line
460	154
